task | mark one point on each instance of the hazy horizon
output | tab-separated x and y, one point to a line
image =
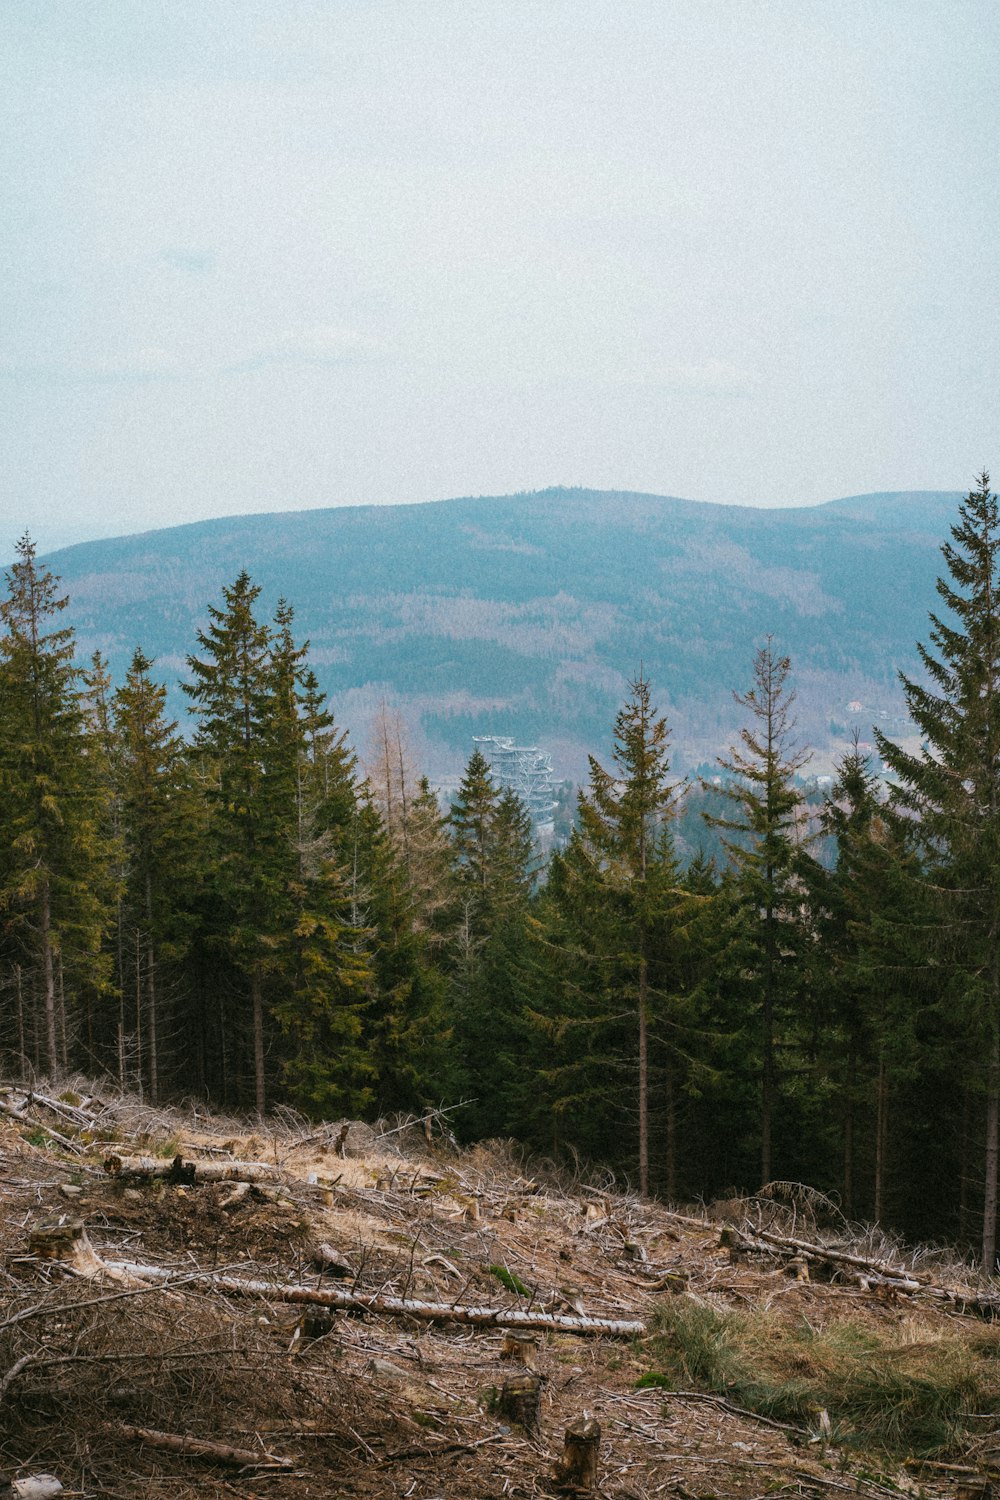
50	539
265	258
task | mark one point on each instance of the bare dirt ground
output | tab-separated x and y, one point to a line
370	1405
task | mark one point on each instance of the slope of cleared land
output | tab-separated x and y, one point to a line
750	1376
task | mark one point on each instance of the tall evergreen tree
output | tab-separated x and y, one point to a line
617	901
52	797
952	786
160	820
493	849
229	693
765	846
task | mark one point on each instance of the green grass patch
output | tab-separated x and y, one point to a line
883	1390
512	1282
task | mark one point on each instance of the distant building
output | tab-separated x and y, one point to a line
526	770
854	707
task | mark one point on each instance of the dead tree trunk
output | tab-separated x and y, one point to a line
221	1453
376	1302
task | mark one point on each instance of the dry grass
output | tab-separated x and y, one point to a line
381	1407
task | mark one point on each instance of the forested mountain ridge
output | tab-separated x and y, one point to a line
525	614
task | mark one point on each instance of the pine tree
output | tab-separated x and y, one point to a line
766	851
160	822
616	899
952	785
493	850
870	908
229	693
54	894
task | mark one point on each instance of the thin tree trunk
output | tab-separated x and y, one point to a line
767	1078
849	1108
257	1000
881	1136
671	1098
223	1053
119	944
48	974
63	1043
992	1151
138	1008
964	1170
19	992
151	1028
643	1080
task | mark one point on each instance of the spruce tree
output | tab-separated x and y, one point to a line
614	904
54	893
952	786
764	843
229	693
160	821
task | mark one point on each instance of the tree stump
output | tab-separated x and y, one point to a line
577	1468
315	1325
521	1401
65	1240
519	1348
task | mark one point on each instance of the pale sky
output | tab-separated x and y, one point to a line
274	254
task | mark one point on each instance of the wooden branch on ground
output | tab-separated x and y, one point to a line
377	1302
149	1168
25	1119
870	1272
221	1453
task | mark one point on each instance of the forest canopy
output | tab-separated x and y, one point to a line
230	908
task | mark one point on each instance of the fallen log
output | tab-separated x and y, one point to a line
221	1453
151	1168
872	1273
34	1487
377	1302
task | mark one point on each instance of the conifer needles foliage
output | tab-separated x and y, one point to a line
229	906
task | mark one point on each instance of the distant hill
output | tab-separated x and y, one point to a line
526	614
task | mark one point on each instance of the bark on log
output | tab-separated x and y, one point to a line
520	1401
34	1487
149	1168
870	1273
375	1302
330	1261
222	1453
576	1470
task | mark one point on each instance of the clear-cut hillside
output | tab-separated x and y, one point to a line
526	614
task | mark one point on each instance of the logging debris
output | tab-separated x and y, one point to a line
319	1323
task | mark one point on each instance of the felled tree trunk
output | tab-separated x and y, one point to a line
577	1468
146	1168
435	1312
221	1453
34	1487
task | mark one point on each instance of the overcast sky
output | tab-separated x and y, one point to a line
270	254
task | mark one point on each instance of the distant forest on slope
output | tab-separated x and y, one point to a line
528	615
241	914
